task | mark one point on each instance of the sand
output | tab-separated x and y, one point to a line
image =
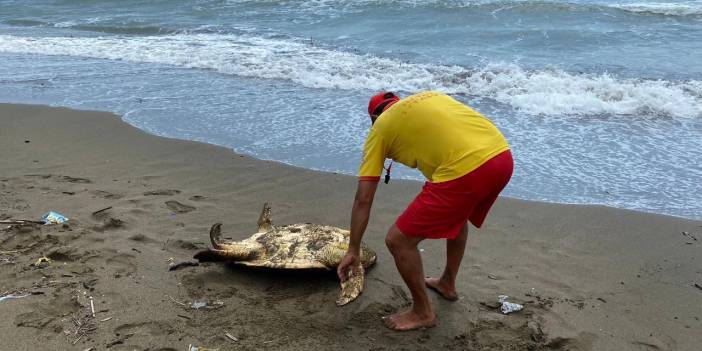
590	277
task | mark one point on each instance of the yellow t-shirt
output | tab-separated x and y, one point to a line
431	131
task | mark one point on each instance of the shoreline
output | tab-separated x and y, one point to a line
286	164
591	277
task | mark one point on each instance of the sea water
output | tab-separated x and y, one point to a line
601	101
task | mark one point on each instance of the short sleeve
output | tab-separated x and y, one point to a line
373	156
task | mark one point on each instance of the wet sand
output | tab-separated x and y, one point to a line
590	277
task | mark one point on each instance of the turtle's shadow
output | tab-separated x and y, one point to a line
281	284
265	273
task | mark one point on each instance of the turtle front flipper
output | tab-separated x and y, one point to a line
332	255
352	287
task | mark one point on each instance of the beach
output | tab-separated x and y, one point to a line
589	277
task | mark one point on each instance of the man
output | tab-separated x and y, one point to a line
467	163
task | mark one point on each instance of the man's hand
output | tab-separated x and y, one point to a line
350	260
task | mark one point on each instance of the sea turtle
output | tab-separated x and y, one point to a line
291	246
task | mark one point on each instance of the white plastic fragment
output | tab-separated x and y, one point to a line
198	304
8	297
508	307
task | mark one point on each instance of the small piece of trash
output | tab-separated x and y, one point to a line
508	307
41	260
106	319
199	348
52	217
173	267
11	296
689	235
231	337
198	304
206	305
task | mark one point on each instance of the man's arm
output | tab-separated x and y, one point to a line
360	213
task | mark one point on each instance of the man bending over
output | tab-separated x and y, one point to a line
467	163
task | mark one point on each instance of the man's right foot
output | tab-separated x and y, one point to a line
447	292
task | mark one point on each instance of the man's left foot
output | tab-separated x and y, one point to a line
409	320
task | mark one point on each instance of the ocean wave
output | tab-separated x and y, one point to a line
663	8
546	91
686	8
94	25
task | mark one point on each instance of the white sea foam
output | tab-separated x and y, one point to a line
690	8
682	8
548	91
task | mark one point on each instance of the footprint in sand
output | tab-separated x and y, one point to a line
168	192
109	224
151	328
70	179
177	207
106	194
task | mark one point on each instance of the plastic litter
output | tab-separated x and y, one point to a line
198	304
52	217
9	297
199	348
42	260
206	305
508	307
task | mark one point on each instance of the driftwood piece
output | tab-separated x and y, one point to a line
19	222
101	210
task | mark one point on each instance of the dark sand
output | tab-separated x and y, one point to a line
590	277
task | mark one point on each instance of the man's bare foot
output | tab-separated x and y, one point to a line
436	284
409	320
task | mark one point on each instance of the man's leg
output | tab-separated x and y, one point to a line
409	264
446	284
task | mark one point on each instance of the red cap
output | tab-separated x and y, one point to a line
380	101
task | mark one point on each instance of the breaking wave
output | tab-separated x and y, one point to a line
663	8
546	91
686	8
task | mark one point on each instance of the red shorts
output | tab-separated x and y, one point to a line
441	209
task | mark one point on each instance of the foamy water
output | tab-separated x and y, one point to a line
551	91
600	100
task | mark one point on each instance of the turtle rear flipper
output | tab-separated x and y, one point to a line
229	251
264	220
215	235
352	287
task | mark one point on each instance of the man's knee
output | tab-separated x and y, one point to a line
393	240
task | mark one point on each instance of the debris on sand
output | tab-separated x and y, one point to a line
199	348
82	324
52	217
176	266
20	222
101	210
231	337
689	236
11	296
202	304
508	307
41	260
